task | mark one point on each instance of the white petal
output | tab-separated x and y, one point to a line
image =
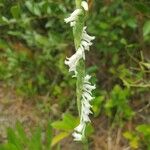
82	49
76	12
86	118
72	24
69	19
86	45
87	104
84	4
87	111
87	37
87	78
84	28
77	136
73	60
87	96
89	87
80	127
73	17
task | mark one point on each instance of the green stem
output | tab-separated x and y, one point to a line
78	3
77	31
79	83
85	145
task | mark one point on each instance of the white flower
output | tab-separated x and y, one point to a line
87	37
83	53
86	40
79	131
73	60
72	24
87	78
77	136
87	104
86	118
86	45
87	96
84	4
85	108
88	88
80	127
73	17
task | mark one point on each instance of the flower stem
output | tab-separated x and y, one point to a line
85	145
78	3
77	31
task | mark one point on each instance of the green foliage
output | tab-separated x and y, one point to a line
18	139
146	30
144	132
32	59
66	127
15	11
67	124
133	139
110	30
117	106
97	105
139	138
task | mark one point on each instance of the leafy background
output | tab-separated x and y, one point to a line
37	94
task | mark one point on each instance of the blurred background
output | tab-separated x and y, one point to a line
37	94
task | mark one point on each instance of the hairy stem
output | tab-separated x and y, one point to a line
78	3
77	31
85	145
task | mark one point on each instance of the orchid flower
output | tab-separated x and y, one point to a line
85	88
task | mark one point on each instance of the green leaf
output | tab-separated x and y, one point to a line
59	137
146	28
13	139
128	135
42	40
37	10
144	129
144	8
3	44
96	105
35	141
132	22
15	11
33	8
3	20
49	136
29	5
147	65
133	139
21	133
8	146
89	130
67	124
104	25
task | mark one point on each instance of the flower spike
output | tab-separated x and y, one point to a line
85	107
85	87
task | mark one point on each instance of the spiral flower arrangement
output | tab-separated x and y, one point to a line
76	64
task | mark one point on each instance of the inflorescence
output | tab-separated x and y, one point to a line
72	62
